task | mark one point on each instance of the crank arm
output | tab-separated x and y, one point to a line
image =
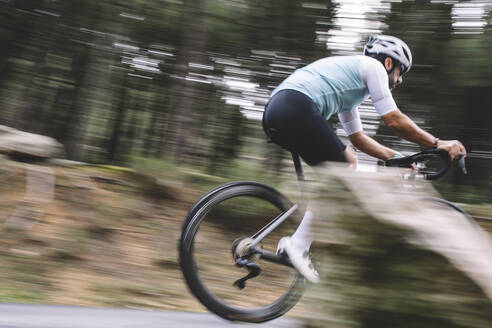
253	268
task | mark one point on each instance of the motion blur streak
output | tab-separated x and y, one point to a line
187	81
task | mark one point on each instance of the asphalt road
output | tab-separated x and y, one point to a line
50	316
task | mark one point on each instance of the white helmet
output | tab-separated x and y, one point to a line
389	46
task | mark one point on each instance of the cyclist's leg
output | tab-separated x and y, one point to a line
293	121
303	236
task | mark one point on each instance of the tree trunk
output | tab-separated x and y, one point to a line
184	93
118	121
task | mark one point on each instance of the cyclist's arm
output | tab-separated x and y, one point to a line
352	125
370	146
375	77
404	127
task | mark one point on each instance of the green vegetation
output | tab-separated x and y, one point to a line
107	239
153	95
121	83
11	294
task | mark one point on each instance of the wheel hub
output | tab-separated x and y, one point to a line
240	247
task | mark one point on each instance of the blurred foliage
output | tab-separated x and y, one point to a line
12	294
393	261
109	236
169	79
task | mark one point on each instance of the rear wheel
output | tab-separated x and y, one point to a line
217	224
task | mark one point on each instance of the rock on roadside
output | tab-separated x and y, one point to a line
24	145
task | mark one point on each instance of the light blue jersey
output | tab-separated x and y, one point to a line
334	84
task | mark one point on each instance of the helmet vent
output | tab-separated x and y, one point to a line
406	53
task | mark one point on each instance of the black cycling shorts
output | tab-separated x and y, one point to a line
293	121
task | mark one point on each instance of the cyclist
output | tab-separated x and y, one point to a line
297	113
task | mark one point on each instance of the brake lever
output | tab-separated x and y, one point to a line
461	163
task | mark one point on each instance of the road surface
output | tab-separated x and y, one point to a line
50	316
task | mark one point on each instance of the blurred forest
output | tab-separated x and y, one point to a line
186	80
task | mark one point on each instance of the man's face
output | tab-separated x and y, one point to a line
395	79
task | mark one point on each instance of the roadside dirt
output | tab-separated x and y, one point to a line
109	238
100	242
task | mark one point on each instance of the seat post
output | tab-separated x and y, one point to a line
298	166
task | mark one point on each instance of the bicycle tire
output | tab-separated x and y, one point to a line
188	263
458	209
454	207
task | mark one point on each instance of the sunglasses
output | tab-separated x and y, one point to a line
403	69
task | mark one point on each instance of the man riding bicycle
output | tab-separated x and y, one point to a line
297	113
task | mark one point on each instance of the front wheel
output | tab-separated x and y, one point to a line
449	205
212	228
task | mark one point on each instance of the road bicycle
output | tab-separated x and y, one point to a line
234	229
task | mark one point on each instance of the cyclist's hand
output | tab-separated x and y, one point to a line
453	147
413	166
351	157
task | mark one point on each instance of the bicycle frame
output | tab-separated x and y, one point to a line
401	162
272	225
247	250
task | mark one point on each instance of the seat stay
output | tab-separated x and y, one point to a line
272	225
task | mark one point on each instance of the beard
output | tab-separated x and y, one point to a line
392	81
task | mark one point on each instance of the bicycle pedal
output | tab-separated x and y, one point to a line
239	284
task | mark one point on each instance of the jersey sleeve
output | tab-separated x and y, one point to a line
376	79
350	120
